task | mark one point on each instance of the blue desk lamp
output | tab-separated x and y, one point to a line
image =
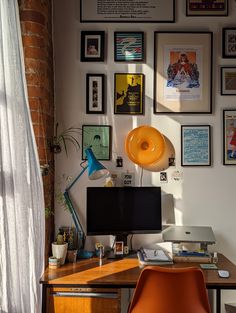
95	171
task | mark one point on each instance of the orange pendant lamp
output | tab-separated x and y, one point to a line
148	148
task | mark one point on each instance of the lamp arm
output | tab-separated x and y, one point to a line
75	218
70	206
77	178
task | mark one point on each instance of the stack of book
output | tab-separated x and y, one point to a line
154	257
192	256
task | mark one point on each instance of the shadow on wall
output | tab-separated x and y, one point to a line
168	211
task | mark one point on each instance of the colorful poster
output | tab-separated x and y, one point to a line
183	69
128	46
129	89
230	136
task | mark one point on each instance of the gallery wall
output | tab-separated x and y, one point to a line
191	195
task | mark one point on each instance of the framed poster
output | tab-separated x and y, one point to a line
229	137
195	145
228	80
129	46
183	72
92	46
128	93
95	93
206	8
98	138
229	43
135	11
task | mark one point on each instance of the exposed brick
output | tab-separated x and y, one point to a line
33	41
30	28
35	53
36	91
36	26
34	104
33	16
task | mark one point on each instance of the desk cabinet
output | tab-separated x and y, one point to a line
86	300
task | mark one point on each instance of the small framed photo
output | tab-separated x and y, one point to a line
129	93
195	145
229	137
206	8
92	46
228	80
119	248
98	138
129	46
229	43
95	93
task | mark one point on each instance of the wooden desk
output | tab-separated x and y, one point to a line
113	275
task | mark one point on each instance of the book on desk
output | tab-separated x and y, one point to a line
154	257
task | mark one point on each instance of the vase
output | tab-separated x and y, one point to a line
60	251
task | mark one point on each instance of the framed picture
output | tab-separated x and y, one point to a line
119	11
94	93
229	43
229	137
228	80
98	138
92	46
183	72
119	248
195	145
129	93
129	46
206	8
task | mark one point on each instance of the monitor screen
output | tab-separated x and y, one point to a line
123	210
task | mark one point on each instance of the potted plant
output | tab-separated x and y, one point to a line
59	249
60	140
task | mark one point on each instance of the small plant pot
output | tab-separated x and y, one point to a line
60	251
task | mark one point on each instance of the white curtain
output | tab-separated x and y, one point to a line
21	192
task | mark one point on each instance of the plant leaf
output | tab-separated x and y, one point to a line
64	143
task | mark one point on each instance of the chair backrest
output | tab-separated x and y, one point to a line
170	290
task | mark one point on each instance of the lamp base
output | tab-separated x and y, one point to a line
83	254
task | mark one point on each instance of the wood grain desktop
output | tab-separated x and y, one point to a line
113	275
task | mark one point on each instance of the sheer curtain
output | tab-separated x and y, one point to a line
21	192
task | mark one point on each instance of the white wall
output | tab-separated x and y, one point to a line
206	195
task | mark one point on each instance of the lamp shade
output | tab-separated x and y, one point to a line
95	169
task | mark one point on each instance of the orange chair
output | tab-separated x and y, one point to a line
170	290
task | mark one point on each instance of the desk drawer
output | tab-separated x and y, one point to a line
83	300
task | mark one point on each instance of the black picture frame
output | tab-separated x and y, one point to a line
229	42
153	11
193	94
92	46
95	93
228	81
205	8
128	46
195	145
129	89
229	136
98	138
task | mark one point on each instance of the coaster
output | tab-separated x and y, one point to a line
208	266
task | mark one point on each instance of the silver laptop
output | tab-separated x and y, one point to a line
199	234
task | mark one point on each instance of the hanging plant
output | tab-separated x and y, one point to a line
60	140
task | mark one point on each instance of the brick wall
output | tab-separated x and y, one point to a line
36	26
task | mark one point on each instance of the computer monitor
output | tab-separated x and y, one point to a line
122	211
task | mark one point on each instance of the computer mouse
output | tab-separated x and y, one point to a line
223	273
